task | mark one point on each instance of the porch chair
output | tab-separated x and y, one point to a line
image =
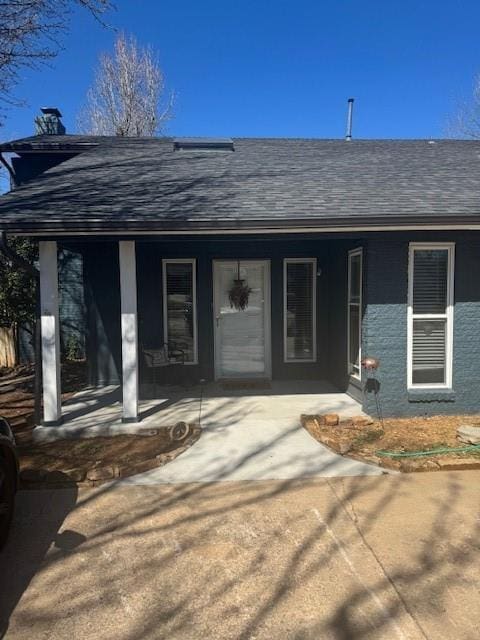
159	360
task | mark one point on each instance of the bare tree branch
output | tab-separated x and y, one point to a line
128	96
466	122
30	33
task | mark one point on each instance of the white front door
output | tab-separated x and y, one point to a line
242	337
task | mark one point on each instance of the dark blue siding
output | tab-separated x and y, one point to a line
102	298
385	321
71	303
149	265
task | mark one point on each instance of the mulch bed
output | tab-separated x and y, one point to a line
93	461
87	461
361	439
16	394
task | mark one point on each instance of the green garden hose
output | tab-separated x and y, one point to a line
430	452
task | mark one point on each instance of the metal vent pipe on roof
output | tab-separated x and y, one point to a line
348	137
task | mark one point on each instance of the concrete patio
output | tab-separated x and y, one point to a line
252	434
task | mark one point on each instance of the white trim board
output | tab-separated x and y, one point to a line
355	252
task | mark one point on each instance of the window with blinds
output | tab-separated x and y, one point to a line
299	309
430	315
354	311
179	300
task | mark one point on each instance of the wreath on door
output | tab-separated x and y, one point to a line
239	293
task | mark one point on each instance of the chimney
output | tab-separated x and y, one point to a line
49	122
348	137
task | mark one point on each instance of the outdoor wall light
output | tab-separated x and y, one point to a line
370	363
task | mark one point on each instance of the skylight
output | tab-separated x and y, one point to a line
203	144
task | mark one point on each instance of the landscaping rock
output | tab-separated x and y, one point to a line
316	419
100	473
410	466
331	419
148	432
57	477
361	421
459	464
344	448
77	475
388	463
469	434
33	475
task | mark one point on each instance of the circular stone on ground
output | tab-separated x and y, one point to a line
179	431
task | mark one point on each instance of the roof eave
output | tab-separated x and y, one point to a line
46	147
305	225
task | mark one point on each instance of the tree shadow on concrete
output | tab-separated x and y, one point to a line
39	516
342	558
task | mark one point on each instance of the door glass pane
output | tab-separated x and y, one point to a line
179	295
429	351
430	269
355	278
299	311
240	333
354	311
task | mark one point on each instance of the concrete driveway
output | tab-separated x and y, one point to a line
370	558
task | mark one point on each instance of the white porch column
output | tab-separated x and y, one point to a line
128	292
50	328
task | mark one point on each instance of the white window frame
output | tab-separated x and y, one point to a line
353	374
447	316
286	262
193	262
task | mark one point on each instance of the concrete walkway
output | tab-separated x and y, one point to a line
251	435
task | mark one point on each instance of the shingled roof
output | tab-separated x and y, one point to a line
144	184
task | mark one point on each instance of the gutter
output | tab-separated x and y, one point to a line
96	226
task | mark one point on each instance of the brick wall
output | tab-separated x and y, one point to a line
385	328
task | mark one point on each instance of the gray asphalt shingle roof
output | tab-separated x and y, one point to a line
139	184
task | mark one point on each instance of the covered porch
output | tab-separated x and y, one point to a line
142	295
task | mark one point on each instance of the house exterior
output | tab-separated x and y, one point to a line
346	249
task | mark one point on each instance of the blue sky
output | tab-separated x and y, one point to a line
258	68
